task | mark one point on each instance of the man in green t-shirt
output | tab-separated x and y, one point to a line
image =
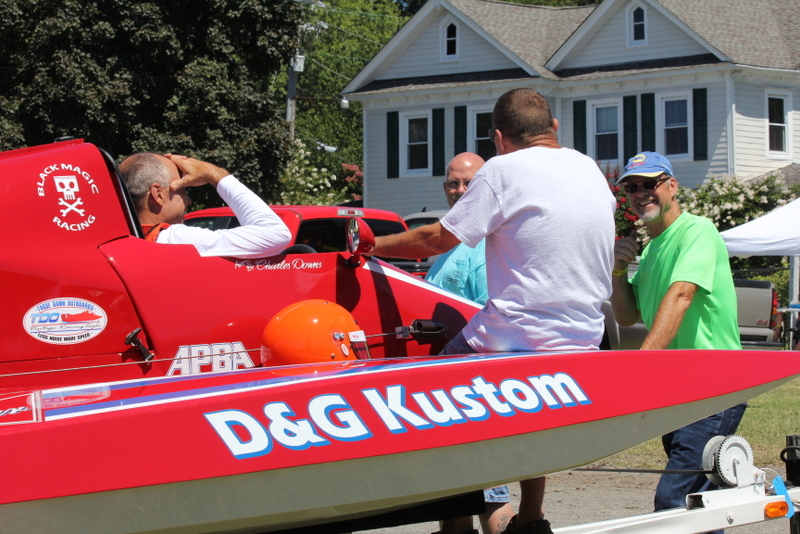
683	291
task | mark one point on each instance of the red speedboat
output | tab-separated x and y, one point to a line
176	410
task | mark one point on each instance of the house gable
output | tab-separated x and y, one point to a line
638	31
424	56
415	52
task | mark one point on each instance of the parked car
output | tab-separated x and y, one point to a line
320	227
420	268
422	218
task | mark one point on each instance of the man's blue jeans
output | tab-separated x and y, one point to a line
684	448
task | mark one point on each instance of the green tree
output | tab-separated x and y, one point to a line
175	76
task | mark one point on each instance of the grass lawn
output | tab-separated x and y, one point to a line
769	418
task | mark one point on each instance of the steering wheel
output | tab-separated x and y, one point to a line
299	249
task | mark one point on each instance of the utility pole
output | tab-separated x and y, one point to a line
297	65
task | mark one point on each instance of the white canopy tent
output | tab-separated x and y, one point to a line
775	234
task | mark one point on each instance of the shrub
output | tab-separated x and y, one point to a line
302	183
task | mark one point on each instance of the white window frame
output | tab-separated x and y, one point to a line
786	96
661	125
443	57
406	116
630	24
472	120
591	128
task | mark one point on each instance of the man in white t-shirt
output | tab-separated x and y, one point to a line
547	214
157	185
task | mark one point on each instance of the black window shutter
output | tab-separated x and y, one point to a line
579	125
649	122
629	127
392	144
438	142
460	127
700	113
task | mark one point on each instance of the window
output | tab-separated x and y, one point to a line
483	145
676	127
606	131
777	123
637	25
415	137
449	41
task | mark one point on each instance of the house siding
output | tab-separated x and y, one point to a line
690	173
421	58
409	194
752	158
664	40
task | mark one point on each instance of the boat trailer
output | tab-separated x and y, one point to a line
745	496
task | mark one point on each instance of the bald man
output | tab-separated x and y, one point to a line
461	270
157	184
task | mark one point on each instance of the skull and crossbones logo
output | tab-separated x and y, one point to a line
68	185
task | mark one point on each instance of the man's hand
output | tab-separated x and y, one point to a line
625	251
195	172
623	299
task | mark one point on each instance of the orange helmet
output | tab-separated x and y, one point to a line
312	331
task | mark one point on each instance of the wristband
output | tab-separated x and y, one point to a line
619	272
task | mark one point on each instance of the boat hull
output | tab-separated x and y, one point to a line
144	460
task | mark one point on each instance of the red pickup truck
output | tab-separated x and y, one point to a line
322	228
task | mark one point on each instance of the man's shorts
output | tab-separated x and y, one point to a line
498	494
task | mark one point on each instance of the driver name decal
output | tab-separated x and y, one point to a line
272	265
331	418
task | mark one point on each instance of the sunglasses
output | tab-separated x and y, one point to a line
455	184
647	185
491	133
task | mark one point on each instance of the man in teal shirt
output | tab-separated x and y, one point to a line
684	293
461	270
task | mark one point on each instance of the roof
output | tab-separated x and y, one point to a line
772	25
533	33
760	33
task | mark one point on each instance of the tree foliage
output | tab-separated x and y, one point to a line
181	76
337	42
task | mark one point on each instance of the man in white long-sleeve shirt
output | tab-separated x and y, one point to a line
157	184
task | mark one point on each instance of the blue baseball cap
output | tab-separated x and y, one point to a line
649	164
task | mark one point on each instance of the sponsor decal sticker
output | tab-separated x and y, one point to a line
65	321
70	185
331	417
20	408
213	358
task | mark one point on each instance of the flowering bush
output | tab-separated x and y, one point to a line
355	181
624	217
731	201
302	183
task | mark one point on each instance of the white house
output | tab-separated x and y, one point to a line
713	84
